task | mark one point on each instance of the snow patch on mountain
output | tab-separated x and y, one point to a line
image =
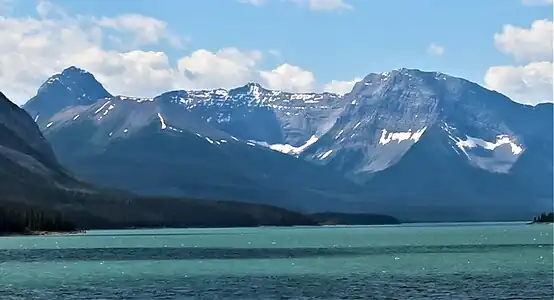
136	99
469	142
102	107
326	154
286	148
387	137
472	142
164	126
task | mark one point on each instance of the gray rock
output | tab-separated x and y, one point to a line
409	143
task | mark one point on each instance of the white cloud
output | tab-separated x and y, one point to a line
33	49
290	78
530	84
340	87
316	5
145	30
47	9
537	2
224	68
527	44
436	49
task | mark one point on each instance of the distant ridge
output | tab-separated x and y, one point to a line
415	144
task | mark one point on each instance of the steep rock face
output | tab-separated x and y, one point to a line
427	140
389	113
254	113
31	179
21	134
71	87
159	147
29	170
413	144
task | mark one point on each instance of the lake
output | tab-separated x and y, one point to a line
418	261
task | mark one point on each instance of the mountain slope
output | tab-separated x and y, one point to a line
419	145
453	146
73	86
28	165
32	180
159	147
254	113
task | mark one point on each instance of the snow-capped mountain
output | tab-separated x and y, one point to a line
260	115
71	87
158	146
456	149
32	181
387	114
417	138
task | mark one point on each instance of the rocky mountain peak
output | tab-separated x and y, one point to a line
251	89
438	137
75	80
73	70
73	86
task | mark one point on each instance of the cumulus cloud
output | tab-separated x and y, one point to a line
341	87
527	44
436	49
226	67
316	5
145	30
530	84
530	81
34	48
290	78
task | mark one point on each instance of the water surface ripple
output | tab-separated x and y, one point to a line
480	261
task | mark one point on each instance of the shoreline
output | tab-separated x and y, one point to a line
59	233
41	233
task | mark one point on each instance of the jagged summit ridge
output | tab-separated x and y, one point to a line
448	142
73	86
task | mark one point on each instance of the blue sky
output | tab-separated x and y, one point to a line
341	44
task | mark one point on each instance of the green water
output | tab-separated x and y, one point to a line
452	261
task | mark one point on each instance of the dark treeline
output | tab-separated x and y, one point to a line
544	218
27	220
331	218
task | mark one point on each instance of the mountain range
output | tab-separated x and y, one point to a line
35	186
419	145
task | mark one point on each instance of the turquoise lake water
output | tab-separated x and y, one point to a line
425	261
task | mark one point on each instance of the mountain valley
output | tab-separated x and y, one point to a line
37	193
418	145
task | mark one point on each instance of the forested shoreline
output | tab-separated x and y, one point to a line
544	218
22	219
